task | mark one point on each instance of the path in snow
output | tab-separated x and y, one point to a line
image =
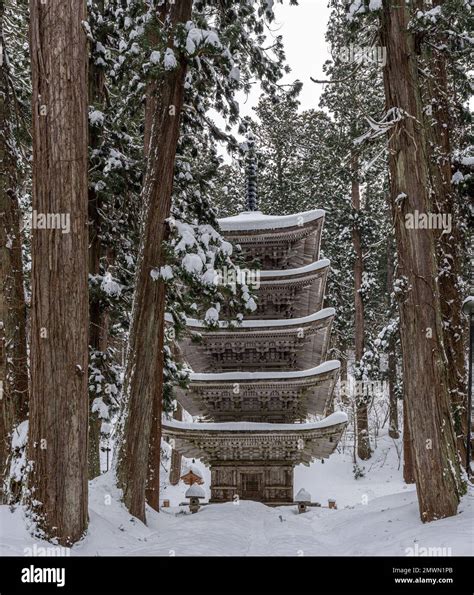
377	515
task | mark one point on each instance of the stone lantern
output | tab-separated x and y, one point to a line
303	498
194	493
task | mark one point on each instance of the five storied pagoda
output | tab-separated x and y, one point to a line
256	384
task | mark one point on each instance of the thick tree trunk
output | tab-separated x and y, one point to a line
436	466
152	492
144	373
60	317
392	357
408	471
438	127
176	458
97	316
392	395
363	442
13	356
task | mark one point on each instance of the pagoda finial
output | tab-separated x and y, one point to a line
251	170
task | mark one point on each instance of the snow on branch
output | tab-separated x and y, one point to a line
377	129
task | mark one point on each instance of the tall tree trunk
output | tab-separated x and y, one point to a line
152	492
436	465
363	442
408	471
392	357
13	356
59	327
176	458
144	372
438	128
392	394
97	316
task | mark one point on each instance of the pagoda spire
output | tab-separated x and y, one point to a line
251	171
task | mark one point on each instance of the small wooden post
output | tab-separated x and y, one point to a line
332	503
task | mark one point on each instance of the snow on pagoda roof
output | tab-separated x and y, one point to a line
256	220
303	496
194	491
194	470
321	315
309	268
339	417
328	366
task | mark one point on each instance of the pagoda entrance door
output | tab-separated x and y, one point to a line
251	486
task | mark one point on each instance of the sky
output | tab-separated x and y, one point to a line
303	29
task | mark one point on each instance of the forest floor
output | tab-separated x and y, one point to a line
377	515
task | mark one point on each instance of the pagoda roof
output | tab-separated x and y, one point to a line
317	265
257	221
290	293
251	324
328	366
277	242
247	441
282	396
291	344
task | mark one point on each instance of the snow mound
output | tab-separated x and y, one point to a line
195	491
303	496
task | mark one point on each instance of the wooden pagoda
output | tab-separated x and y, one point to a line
254	385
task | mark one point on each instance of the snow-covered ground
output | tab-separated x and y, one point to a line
377	515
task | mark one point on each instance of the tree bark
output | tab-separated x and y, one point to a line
144	372
436	465
408	472
57	446
363	442
176	457
438	126
97	316
13	355
392	358
152	492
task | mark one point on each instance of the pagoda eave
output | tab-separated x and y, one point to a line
293	293
286	241
295	344
243	441
283	397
